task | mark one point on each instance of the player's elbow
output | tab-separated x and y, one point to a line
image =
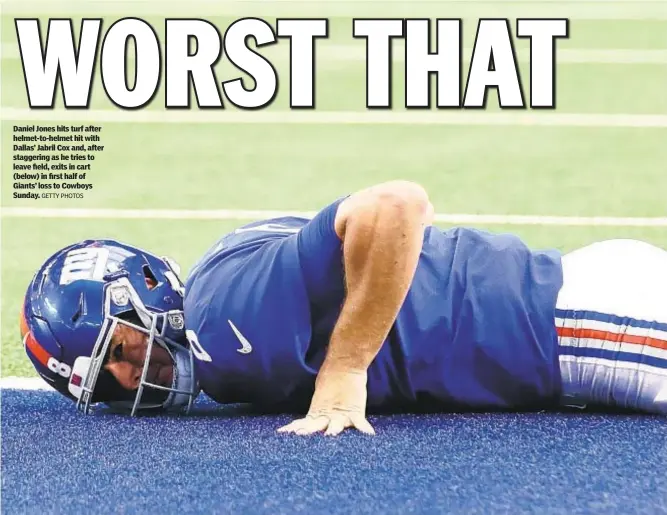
404	201
394	204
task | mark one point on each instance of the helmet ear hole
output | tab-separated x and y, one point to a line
79	309
149	277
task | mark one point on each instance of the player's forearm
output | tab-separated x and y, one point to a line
381	246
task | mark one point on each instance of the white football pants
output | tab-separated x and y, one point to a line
611	319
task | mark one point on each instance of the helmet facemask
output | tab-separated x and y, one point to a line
163	329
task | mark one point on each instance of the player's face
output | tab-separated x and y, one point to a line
127	356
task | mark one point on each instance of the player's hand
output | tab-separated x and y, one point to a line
339	402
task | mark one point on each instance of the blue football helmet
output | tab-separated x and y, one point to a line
75	302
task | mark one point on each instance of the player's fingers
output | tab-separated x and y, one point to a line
337	424
313	425
295	425
292	426
362	424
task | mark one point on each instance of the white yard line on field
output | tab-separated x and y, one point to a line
24	383
283	117
245	214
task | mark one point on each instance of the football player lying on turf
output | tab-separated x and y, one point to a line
365	305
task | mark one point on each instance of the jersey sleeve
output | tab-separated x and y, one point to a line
321	255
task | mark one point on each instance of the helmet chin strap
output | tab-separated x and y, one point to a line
183	381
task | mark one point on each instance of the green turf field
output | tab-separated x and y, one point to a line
500	170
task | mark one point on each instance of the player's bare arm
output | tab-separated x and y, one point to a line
382	231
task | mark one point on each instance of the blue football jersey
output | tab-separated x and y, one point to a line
476	330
